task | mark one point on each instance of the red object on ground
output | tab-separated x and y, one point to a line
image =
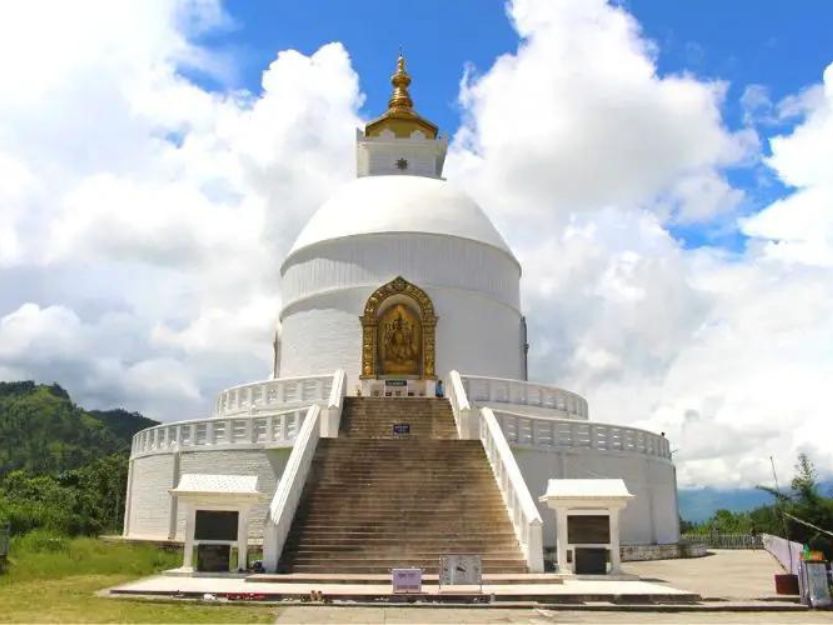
786	584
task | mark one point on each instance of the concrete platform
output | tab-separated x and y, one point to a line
376	579
567	591
724	574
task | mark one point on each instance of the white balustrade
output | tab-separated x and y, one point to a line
331	417
486	390
787	553
465	418
549	433
288	493
520	506
272	394
274	430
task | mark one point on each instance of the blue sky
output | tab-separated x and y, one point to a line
778	44
781	46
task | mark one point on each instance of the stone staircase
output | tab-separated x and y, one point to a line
374	501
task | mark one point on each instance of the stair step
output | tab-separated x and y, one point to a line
437	541
375	501
323	532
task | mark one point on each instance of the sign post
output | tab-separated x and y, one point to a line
813	583
461	570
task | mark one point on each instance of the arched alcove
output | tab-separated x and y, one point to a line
398	330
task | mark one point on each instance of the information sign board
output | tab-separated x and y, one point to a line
406	580
396	382
816	584
461	570
401	429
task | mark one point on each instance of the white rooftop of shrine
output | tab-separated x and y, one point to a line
192	483
586	489
394	203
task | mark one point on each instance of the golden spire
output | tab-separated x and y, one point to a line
400	100
400	118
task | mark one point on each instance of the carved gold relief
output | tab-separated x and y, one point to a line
398	339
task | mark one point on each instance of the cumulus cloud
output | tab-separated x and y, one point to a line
587	157
142	217
578	118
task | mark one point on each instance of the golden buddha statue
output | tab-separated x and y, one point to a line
400	341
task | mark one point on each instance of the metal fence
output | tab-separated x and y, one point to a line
724	541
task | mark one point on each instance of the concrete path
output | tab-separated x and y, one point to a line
321	615
159	584
725	574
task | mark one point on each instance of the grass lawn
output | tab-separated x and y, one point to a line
53	580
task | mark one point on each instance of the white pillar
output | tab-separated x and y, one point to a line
615	555
190	526
561	540
243	538
270	551
128	499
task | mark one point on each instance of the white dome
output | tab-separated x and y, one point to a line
383	204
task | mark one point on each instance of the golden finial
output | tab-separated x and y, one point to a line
400	100
400	118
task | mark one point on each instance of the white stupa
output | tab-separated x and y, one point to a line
397	281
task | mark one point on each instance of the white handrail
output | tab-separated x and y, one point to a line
543	432
464	417
291	486
331	420
787	553
488	390
277	429
270	394
519	503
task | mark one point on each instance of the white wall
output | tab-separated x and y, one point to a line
650	517
474	333
423	259
150	502
474	287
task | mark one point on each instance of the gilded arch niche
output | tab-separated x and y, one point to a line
398	331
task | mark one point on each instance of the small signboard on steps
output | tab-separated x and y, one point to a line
406	581
461	570
401	429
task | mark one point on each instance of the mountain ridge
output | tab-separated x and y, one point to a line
43	431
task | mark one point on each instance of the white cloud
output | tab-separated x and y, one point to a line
578	119
148	214
586	156
143	220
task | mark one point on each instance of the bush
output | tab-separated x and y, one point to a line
40	541
88	500
45	555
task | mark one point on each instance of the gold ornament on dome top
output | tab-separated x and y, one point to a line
400	118
398	336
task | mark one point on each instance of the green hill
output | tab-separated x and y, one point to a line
43	431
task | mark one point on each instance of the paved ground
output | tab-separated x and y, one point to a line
223	585
733	577
489	616
727	574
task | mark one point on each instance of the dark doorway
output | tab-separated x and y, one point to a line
214	558
591	561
